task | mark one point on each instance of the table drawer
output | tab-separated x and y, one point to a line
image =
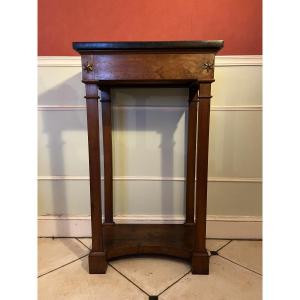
148	66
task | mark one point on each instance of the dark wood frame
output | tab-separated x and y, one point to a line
110	64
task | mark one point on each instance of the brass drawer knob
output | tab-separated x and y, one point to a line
88	67
208	66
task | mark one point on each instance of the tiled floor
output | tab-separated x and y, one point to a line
235	273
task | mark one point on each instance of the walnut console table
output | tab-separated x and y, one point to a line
106	65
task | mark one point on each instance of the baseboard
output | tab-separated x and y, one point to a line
222	227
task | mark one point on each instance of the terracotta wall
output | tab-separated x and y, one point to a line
237	22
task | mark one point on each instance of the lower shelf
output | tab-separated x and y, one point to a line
166	239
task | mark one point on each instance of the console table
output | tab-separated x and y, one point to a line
189	64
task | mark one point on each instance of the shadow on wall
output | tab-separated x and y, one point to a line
154	111
54	131
164	122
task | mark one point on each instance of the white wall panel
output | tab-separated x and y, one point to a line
237	85
62	141
149	139
71	197
60	86
63	197
141	133
235	144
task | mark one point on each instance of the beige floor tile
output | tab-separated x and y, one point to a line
214	245
211	244
152	274
53	253
245	253
226	281
87	242
74	282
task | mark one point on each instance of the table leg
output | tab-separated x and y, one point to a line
200	259
97	259
191	156
107	146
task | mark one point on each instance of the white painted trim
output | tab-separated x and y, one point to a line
59	61
221	61
239	60
61	107
226	227
166	108
234	179
237	108
153	178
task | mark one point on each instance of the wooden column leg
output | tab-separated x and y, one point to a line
107	146
97	259
191	156
200	259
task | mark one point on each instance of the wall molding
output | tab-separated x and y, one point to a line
221	61
148	107
226	227
238	60
151	178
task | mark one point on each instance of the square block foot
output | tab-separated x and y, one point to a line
97	263
200	263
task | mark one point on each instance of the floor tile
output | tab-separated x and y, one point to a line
152	274
246	253
214	245
53	253
74	282
226	281
211	244
87	242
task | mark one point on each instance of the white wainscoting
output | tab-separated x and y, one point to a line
234	198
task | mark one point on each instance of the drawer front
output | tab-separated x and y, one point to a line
144	66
